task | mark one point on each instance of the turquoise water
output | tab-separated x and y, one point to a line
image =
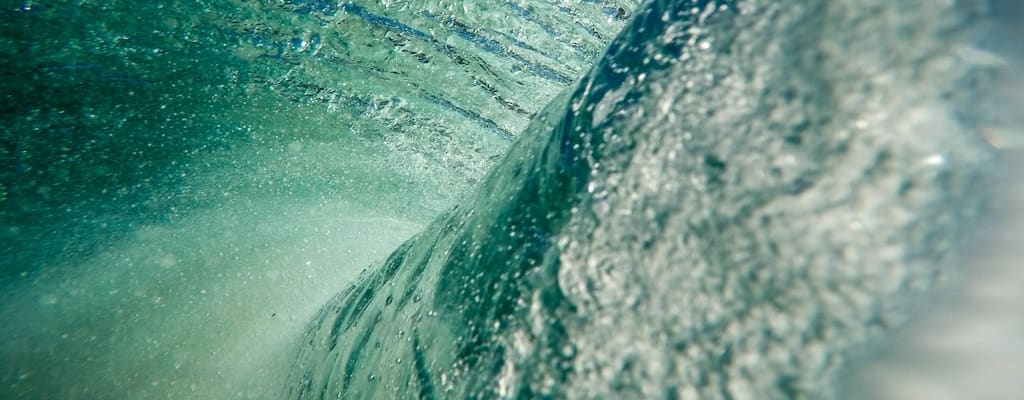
204	199
137	95
185	182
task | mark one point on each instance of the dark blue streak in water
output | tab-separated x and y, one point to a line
485	122
518	43
494	47
489	45
528	16
374	19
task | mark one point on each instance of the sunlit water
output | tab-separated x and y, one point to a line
741	200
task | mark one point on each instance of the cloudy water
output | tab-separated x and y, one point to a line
186	183
508	199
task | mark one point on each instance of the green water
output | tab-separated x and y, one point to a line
111	107
191	180
734	202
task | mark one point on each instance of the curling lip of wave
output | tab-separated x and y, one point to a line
735	197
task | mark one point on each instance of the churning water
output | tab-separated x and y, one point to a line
502	198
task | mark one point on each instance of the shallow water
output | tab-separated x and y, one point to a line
737	201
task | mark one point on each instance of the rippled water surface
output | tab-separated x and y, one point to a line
504	198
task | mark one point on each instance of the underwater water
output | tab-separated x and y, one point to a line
495	199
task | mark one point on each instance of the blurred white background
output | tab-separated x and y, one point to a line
969	342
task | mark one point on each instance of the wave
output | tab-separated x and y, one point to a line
732	200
